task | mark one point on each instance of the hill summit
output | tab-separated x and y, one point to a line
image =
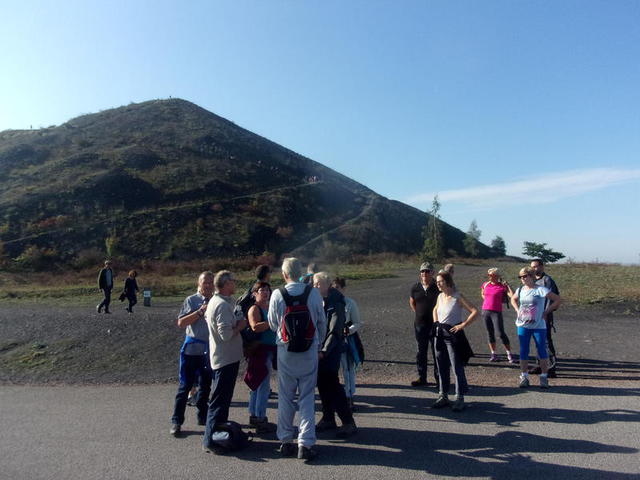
167	179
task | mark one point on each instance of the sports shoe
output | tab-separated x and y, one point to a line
524	382
99	308
287	449
494	357
419	382
458	405
511	358
323	425
306	453
544	382
347	430
441	402
175	430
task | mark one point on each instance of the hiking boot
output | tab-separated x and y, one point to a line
544	382
511	358
175	430
286	449
458	405
494	357
306	453
419	382
441	402
323	425
524	382
347	430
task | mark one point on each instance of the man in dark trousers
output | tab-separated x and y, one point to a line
105	283
424	295
544	280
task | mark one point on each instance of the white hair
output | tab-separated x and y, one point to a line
292	268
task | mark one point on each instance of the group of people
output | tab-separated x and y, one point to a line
304	325
439	325
106	282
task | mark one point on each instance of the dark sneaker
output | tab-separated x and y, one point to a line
175	430
287	449
306	453
544	382
441	402
419	382
347	430
458	405
326	425
524	382
99	308
494	358
511	358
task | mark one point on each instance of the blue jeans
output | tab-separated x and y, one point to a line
194	365
259	398
224	382
539	336
447	357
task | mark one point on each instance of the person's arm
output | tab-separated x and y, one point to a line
473	314
354	318
553	306
274	312
225	322
482	290
190	318
334	329
435	311
412	304
515	302
255	320
509	290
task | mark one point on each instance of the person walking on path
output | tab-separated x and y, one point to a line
452	346
544	280
130	290
194	354
297	371
225	351
332	394
422	299
529	302
493	292
352	325
106	280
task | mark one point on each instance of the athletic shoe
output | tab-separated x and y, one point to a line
306	453
419	382
347	430
524	382
494	358
511	358
544	382
175	430
323	425
458	405
99	308
441	402
287	449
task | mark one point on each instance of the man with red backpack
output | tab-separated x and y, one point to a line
297	316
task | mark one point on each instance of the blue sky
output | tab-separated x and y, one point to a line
524	116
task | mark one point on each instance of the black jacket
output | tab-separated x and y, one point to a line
102	279
334	309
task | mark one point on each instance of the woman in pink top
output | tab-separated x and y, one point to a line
492	294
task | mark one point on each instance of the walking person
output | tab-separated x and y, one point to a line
544	280
194	355
225	351
530	303
352	325
332	394
106	280
260	358
422	299
452	346
130	290
297	370
493	292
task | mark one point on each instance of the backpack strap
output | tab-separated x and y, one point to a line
289	299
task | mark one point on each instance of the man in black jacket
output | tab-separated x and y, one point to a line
105	283
334	400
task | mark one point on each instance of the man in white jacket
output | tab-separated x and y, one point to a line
297	370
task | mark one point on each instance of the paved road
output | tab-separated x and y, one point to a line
121	432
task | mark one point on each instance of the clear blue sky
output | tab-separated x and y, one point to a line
524	116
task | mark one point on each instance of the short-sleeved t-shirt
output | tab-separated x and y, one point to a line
197	329
531	307
493	294
425	300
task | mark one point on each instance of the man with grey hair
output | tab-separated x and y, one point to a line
297	371
225	350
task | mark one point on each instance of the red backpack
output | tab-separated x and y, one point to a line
298	330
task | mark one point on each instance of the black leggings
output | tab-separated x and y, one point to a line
493	321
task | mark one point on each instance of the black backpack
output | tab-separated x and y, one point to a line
244	303
228	437
298	330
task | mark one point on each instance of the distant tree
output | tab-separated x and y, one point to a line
498	246
433	248
471	241
540	250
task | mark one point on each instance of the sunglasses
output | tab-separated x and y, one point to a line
522	276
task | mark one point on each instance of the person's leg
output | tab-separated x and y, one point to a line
422	340
442	359
431	344
491	336
306	410
540	337
107	299
458	369
524	337
202	395
262	392
347	372
503	335
189	372
287	385
224	381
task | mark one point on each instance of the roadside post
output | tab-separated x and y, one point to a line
146	293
